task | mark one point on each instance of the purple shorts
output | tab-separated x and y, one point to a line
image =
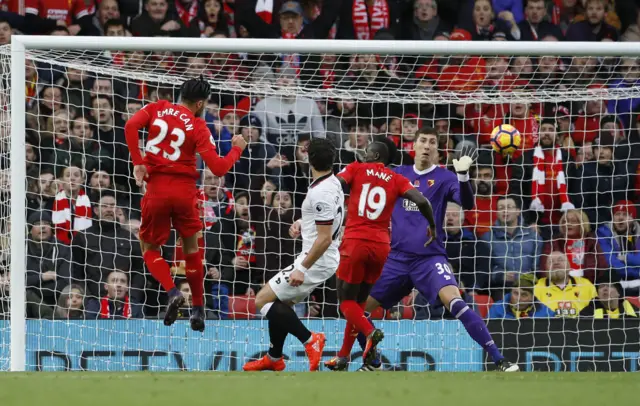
402	272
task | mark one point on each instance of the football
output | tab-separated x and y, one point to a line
505	139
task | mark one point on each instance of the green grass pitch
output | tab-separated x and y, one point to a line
326	389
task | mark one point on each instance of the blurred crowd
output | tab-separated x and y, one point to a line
555	228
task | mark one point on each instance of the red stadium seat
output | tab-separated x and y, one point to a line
407	311
483	303
242	307
378	314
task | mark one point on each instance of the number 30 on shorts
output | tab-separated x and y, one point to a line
443	269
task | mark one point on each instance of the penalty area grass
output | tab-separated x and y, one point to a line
326	389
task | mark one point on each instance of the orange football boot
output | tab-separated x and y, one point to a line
264	364
314	350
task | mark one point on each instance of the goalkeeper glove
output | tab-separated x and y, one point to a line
462	166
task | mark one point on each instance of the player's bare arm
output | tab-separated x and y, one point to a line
426	210
318	248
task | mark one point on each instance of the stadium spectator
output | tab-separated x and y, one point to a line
284	117
359	133
296	177
185	311
424	23
5	31
579	244
116	304
486	24
107	10
344	110
115	28
535	25
620	244
600	183
99	181
362	19
515	247
41	191
289	23
280	248
48	266
468	256
610	302
521	302
70	304
211	19
548	185
629	77
110	132
245	274
218	206
106	246
156	19
259	158
485	211
42	17
564	294
594	27
72	207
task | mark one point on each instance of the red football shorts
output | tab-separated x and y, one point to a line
361	261
162	208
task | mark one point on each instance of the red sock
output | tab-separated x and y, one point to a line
350	335
159	269
355	315
195	277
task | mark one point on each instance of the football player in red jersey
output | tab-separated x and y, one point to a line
374	189
176	134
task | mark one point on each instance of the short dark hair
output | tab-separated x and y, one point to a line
427	131
352	123
59	28
113	22
516	199
196	89
392	149
322	154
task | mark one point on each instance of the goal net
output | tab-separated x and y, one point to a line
548	256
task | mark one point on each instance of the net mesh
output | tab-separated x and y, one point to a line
5	179
581	110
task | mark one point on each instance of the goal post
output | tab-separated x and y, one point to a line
137	336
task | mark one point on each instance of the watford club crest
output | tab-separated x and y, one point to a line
431	182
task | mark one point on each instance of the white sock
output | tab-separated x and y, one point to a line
265	309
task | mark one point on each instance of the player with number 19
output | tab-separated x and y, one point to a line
176	133
374	189
411	263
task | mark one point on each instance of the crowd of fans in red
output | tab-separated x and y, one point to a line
562	210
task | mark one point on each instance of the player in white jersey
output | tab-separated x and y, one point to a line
320	225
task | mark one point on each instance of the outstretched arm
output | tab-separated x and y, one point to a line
219	165
425	209
462	166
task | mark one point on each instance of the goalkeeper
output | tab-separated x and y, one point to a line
414	263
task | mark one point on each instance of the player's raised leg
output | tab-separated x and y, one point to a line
282	322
